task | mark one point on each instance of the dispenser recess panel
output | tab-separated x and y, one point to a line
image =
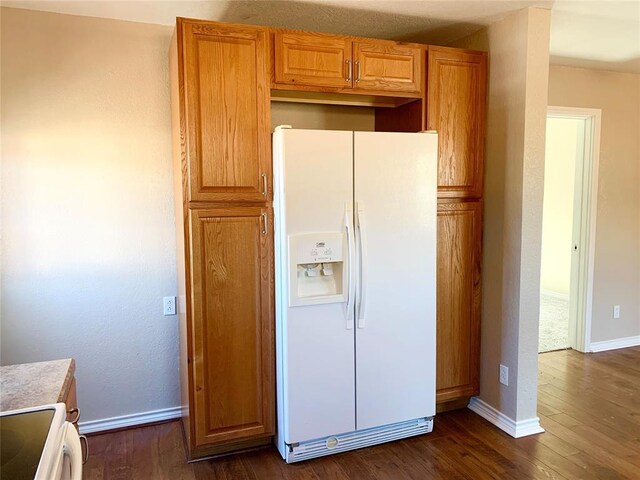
317	273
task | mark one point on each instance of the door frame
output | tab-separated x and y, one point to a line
584	240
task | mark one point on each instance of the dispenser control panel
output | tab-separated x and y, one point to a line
314	249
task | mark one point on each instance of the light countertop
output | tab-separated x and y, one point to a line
32	384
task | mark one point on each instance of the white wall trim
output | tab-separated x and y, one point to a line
125	421
558	295
614	344
531	426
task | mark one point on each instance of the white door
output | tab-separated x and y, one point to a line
317	340
395	194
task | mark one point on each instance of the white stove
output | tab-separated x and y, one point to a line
39	444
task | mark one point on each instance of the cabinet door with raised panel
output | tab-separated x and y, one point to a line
456	90
387	66
458	300
312	59
226	90
232	358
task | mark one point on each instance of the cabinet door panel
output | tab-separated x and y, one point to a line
227	97
387	66
456	109
312	59
232	324
458	300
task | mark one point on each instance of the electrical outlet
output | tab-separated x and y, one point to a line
504	375
616	311
169	305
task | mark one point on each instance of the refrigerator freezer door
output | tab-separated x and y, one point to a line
395	193
315	343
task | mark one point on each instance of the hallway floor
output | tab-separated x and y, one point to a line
554	323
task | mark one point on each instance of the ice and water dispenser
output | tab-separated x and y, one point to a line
316	269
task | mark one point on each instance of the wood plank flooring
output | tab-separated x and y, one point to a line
588	404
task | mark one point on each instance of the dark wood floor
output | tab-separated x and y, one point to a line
588	404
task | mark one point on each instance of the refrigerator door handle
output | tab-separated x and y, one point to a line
361	301
348	222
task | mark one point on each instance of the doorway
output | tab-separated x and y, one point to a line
568	228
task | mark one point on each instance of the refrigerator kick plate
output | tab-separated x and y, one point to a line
359	439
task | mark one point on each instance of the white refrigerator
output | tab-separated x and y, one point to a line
355	247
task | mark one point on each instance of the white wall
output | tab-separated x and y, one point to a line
557	218
88	231
518	49
617	247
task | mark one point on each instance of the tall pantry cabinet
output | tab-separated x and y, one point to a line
456	87
223	78
222	170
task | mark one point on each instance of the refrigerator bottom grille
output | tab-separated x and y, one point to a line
359	439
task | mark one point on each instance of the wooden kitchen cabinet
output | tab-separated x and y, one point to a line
312	59
458	300
225	83
232	353
222	176
387	66
335	63
456	91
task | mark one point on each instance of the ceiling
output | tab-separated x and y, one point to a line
601	34
596	34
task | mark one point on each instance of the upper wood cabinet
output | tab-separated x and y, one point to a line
232	327
456	91
312	59
225	82
458	299
334	63
381	65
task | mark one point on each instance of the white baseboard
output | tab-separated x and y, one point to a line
519	429
614	344
105	424
558	295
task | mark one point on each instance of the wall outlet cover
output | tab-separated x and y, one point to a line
504	375
169	305
616	311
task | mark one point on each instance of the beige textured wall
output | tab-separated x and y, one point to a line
87	215
518	49
557	217
322	117
617	251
